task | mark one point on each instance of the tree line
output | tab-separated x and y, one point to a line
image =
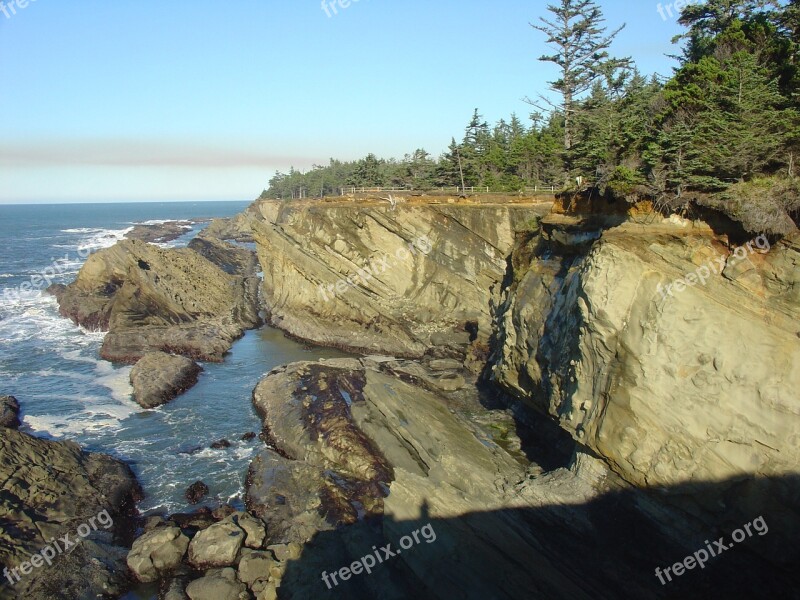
722	131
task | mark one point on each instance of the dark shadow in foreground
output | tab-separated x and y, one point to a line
608	547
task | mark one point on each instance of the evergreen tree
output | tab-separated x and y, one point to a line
581	48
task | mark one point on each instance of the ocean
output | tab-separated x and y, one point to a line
66	392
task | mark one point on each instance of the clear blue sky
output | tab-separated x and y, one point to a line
143	100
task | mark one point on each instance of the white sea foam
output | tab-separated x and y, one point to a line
102	238
117	381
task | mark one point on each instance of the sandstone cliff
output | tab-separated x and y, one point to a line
680	404
690	386
430	272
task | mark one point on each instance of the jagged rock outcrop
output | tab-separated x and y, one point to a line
406	281
9	412
234	260
160	233
49	490
236	228
154	299
159	377
669	384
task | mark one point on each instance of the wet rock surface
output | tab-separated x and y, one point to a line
161	233
196	492
158	377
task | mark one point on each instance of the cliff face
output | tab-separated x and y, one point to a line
691	383
668	354
371	278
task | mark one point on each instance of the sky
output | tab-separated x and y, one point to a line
196	100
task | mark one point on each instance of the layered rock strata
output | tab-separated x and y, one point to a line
405	281
152	299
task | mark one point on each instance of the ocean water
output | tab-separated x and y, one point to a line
67	392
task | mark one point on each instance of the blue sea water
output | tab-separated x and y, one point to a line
67	392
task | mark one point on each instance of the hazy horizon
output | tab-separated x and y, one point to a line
144	101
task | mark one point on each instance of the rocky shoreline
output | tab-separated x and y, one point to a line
67	518
523	391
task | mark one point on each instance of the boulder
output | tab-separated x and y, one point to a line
254	530
157	553
270	592
255	565
159	377
222	585
217	546
9	412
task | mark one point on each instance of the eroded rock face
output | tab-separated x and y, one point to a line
690	385
9	412
432	272
159	377
152	299
234	260
51	489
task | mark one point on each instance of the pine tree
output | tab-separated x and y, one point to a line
581	48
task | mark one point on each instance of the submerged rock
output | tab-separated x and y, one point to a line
159	377
196	492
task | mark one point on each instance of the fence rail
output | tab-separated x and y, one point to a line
483	189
